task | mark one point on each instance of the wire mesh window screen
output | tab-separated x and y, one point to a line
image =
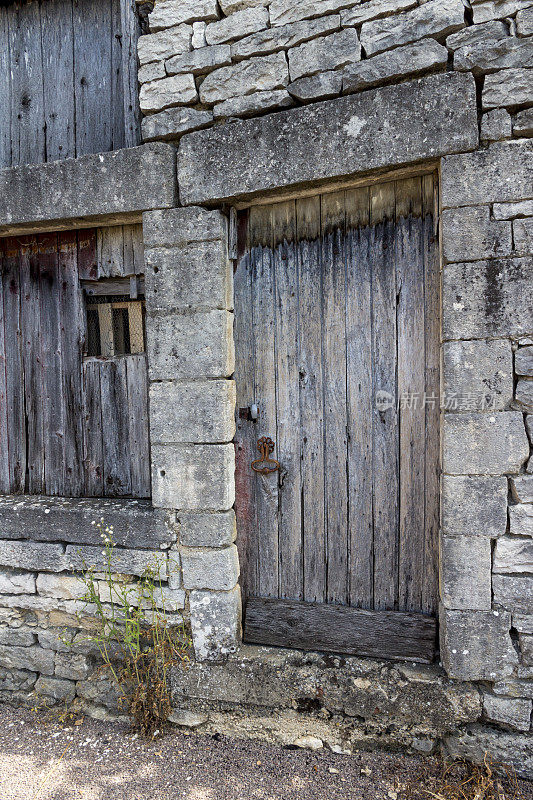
115	326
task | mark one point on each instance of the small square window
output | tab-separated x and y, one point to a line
115	326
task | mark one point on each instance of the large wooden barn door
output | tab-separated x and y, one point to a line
337	340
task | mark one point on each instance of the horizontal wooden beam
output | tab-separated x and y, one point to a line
113	287
362	180
394	635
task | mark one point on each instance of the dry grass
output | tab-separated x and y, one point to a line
144	679
56	712
463	780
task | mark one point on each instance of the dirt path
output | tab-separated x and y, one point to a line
102	761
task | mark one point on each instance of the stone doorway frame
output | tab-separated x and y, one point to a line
396	130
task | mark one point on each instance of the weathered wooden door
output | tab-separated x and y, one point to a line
337	340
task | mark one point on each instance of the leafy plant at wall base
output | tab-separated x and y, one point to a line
135	637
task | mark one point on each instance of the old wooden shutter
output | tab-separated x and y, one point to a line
337	340
69	425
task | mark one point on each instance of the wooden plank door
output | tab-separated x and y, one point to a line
337	340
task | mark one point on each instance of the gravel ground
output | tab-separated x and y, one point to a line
46	760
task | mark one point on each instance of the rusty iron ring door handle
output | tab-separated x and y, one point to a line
265	465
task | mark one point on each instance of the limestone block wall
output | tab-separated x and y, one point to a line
204	62
44	543
486	544
189	293
347	82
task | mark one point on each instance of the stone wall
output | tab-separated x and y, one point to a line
205	62
203	65
486	544
45	542
340	90
189	295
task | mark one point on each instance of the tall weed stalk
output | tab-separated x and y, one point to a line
136	639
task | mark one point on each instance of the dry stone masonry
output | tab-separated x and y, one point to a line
259	57
265	97
42	597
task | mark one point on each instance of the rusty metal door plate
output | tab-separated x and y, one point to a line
265	465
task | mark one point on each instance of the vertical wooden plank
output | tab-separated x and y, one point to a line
93	457
16	420
5	90
115	252
289	434
5	484
411	387
130	34
311	398
110	252
128	265
138	249
233	234
87	259
53	397
334	317
430	203
27	99
133	250
32	354
135	318
384	397
102	261
264	317
115	428
359	397
139	444
246	430
72	345
92	75
58	78
107	339
117	77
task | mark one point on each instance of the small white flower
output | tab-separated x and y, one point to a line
103	552
93	522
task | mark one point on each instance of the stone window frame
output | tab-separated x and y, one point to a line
39	198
